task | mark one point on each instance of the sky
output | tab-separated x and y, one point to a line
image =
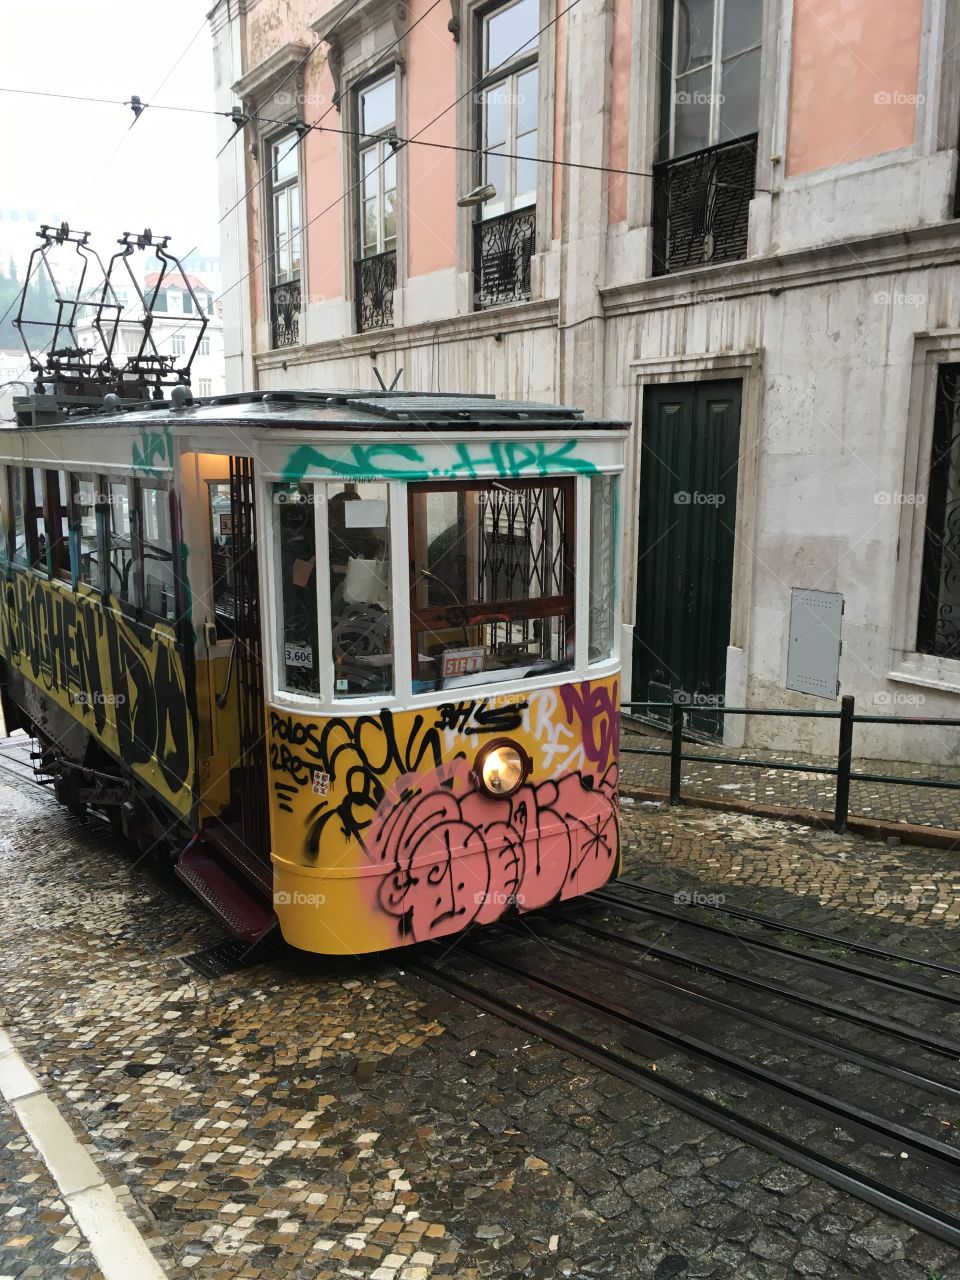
163	173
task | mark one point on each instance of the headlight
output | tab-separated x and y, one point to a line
502	768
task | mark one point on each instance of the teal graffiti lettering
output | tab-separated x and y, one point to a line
363	462
513	458
153	451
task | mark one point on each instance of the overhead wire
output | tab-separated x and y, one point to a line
303	128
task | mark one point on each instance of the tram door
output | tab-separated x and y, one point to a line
251	789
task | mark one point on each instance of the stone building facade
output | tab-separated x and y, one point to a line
729	221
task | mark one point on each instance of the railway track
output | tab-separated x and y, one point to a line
16	762
752	1047
849	1071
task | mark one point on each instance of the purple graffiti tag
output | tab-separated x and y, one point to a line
595	709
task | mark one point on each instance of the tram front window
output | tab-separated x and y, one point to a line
492	581
359	550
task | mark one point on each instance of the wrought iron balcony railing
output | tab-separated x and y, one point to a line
285	313
375	280
701	206
502	250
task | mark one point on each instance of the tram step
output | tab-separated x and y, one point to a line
228	842
229	897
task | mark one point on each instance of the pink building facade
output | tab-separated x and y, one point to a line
730	221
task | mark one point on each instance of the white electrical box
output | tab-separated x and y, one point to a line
813	657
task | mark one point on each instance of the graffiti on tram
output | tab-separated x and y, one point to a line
396	791
125	686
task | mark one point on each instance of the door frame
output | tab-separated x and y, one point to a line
747	366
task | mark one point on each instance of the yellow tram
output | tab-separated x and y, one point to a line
351	659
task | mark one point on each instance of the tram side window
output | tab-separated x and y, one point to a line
36	524
601	582
361	622
87	540
295	539
156	547
58	523
221	551
18	516
492	581
119	541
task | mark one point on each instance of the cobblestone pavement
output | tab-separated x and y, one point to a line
318	1118
38	1237
895	802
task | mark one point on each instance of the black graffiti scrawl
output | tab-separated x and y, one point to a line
125	685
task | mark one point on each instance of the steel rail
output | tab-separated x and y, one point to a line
631	912
770	986
823	1042
848	1112
771	922
902	1205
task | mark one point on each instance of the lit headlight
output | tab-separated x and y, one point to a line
501	768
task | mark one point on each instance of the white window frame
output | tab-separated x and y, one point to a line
716	73
288	192
504	77
380	145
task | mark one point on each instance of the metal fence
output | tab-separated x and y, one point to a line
842	771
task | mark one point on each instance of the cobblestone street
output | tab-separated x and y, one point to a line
317	1118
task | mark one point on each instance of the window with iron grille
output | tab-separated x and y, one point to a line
508	140
285	238
710	108
491	580
375	266
938	623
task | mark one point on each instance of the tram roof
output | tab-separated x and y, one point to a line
338	409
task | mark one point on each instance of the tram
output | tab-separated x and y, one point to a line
349	658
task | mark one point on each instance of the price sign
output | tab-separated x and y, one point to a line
298	655
462	662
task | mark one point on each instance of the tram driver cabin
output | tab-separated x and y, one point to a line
349	659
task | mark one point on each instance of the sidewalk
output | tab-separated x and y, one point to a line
922	806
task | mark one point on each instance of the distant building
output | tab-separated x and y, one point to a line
174	328
15	380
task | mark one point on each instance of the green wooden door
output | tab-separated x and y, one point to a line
688	496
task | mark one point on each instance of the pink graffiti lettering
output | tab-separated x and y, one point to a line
454	856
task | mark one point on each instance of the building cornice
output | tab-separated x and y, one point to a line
478	324
261	80
348	17
930	246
